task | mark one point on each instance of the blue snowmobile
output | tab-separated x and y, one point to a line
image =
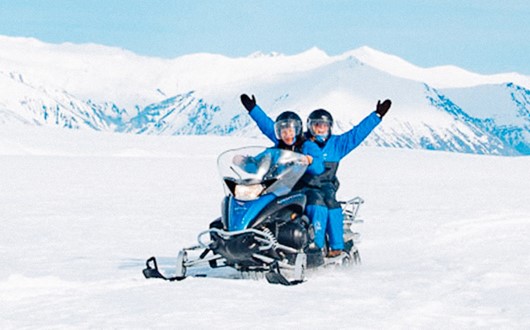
262	229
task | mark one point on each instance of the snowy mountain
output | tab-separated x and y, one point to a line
512	127
109	89
39	105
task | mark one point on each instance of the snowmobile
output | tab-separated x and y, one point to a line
262	229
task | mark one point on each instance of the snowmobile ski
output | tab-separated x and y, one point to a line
275	277
151	271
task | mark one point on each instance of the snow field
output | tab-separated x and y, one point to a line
444	243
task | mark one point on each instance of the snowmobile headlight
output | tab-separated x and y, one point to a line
248	192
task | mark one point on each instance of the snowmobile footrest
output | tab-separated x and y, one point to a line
151	271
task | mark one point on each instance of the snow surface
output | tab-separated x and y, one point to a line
444	244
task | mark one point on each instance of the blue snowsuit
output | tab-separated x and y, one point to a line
322	206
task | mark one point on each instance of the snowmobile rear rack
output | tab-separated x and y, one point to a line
350	209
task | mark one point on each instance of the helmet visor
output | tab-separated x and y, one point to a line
287	130
319	126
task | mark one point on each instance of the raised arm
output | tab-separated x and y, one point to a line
264	122
348	141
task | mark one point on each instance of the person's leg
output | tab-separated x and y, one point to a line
317	212
335	229
318	215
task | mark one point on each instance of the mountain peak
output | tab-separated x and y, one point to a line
313	52
442	76
260	54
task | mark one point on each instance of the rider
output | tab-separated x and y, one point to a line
323	208
291	140
334	148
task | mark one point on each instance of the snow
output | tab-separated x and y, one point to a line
444	242
105	73
445	76
488	101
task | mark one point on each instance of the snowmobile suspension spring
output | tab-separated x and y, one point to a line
271	236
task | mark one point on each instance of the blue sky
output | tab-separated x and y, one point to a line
479	35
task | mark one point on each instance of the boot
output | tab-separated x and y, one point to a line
334	253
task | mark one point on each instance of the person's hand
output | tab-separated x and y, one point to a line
382	108
248	103
238	159
307	160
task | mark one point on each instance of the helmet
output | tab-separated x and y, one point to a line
320	116
288	119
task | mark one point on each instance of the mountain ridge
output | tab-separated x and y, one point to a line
102	88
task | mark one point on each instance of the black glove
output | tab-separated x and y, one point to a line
382	108
248	103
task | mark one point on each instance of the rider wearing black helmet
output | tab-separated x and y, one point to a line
287	133
334	148
288	130
319	125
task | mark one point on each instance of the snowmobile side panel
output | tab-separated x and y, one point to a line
296	202
241	213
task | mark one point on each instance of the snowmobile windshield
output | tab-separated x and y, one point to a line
254	171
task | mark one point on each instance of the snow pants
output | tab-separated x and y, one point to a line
325	213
